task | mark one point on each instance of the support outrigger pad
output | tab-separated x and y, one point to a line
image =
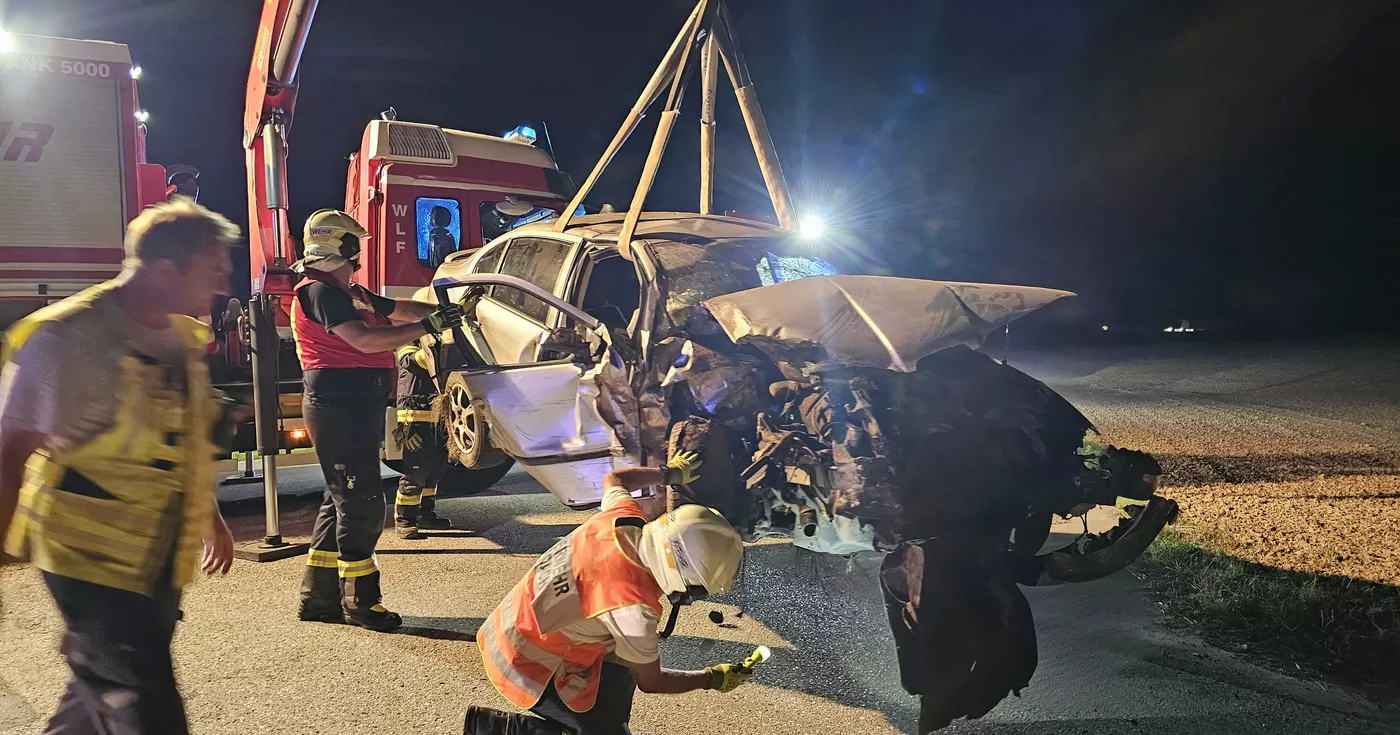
269	549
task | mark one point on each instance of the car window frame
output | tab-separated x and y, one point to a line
553	316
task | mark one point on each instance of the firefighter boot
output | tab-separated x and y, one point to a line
362	605
487	721
320	593
406	523
428	519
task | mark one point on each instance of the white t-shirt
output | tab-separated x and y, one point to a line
64	382
628	632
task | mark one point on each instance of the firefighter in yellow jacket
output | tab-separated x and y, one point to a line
106	465
578	635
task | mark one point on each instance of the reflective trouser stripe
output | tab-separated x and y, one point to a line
429	492
363	567
402	499
412	416
323	559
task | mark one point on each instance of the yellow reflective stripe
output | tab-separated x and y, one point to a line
69	536
429	492
323	559
106	512
363	567
402	499
412	416
406	349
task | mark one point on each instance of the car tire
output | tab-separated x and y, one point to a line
456	481
468	437
459	481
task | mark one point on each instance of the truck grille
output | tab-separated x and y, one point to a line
418	141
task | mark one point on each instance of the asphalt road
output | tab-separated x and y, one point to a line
247	666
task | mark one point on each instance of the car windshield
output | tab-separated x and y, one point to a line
696	272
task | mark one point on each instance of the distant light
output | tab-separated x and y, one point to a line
811	228
1189	329
1104	327
522	134
1168	329
142	116
135	72
7	41
298	433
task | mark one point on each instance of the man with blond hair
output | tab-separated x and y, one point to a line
106	465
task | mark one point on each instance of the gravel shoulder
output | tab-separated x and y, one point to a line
1291	452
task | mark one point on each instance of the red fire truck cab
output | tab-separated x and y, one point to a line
423	192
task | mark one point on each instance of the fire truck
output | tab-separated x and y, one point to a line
423	192
73	167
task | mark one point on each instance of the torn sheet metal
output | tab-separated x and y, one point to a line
874	321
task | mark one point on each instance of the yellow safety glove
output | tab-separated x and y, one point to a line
681	470
727	677
470	299
407	439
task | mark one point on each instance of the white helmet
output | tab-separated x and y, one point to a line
694	547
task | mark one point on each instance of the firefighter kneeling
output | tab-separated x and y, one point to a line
420	437
578	635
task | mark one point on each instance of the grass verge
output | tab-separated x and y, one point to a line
1337	628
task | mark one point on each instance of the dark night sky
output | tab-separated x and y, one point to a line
1165	158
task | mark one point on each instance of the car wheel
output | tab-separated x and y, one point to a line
468	437
459	481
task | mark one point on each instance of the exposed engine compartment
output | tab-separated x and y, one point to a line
956	468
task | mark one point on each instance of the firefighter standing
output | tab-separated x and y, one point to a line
578	635
420	437
106	397
346	337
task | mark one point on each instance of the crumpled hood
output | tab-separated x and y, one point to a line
875	321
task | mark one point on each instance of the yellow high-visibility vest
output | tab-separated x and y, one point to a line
114	510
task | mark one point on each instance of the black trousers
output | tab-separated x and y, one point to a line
118	647
344	412
609	716
422	469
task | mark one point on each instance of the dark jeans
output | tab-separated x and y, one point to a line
609	715
118	646
422	469
344	412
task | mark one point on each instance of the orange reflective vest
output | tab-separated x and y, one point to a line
585	575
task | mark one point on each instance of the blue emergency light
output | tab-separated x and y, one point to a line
521	134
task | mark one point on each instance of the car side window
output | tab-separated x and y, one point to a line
489	260
537	260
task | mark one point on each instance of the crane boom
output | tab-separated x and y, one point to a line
267	118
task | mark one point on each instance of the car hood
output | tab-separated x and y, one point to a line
874	321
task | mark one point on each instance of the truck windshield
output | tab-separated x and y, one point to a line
495	222
697	272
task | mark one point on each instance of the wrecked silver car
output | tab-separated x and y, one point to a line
850	413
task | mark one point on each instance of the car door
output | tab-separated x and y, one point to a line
545	414
513	322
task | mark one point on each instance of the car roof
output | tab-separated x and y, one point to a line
659	224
